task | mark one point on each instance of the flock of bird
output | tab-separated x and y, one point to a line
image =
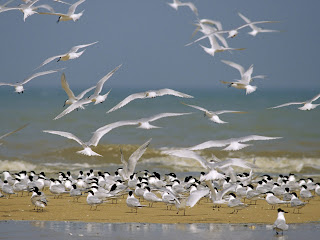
220	181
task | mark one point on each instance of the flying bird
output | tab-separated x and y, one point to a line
149	94
95	97
307	105
12	132
71	97
19	85
213	116
234	144
70	15
71	54
176	4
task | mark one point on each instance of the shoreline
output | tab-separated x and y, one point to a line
65	209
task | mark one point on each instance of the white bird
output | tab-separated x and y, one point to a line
176	4
192	200
71	54
133	202
95	97
70	15
71	97
97	135
150	196
213	116
245	75
255	29
29	9
93	200
273	200
280	223
12	132
307	105
215	47
234	143
3	7
149	94
129	167
235	203
19	85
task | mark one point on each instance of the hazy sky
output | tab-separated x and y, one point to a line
148	38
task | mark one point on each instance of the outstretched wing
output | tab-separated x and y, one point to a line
78	104
134	158
167	91
235	65
73	7
66	87
287	104
163	115
255	138
210	144
38	75
66	135
127	100
49	60
76	48
196	107
14	131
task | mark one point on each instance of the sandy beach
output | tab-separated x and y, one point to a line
65	209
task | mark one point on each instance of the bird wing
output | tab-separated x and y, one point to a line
136	155
287	104
103	80
196	107
228	111
210	144
38	75
195	196
163	115
167	91
8	84
254	138
9	133
76	48
127	100
73	7
237	162
185	153
235	65
72	107
66	135
45	6
81	95
225	82
315	98
125	164
49	60
66	87
192	7
99	133
252	25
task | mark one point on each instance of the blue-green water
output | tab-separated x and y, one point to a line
297	151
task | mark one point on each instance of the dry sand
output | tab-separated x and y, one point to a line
65	209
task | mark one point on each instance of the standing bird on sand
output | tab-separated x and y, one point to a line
132	202
150	196
93	200
280	223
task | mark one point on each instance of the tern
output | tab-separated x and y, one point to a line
70	15
255	29
280	223
149	94
176	4
29	9
133	202
213	116
235	203
95	97
19	85
71	97
307	105
71	54
234	143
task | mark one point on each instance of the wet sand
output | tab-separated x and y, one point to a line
65	209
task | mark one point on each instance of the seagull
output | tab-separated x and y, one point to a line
307	105
280	223
149	94
12	132
176	3
97	135
255	29
28	9
71	97
234	143
95	97
213	116
245	75
215	47
72	54
129	167
19	85
70	15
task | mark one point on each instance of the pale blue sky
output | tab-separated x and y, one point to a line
148	38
